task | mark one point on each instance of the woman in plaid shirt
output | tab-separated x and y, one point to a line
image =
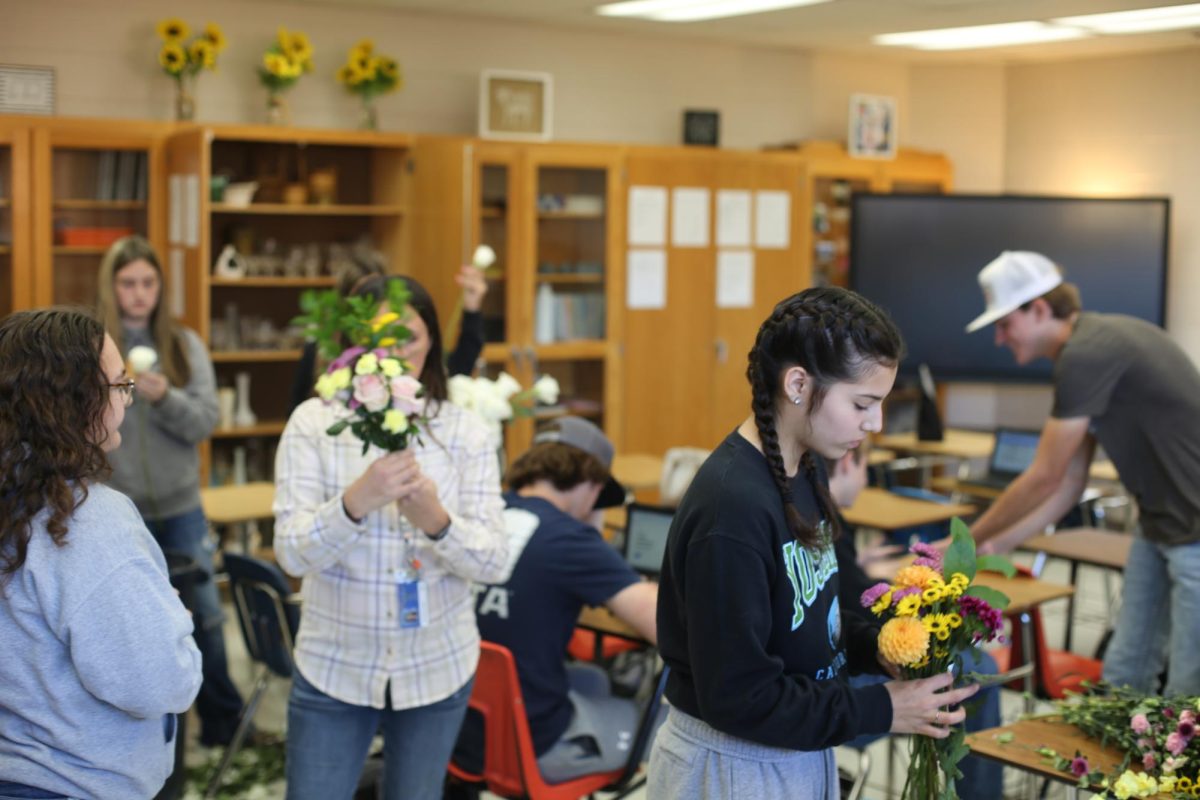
388	545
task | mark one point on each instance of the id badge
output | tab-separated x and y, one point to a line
414	603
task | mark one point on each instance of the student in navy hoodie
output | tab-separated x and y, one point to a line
98	656
748	614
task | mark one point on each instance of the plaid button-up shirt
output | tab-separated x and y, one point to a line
350	643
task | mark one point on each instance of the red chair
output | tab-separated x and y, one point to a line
1057	671
509	762
582	646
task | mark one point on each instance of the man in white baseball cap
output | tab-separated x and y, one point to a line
1123	382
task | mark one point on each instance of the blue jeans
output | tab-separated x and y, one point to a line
219	704
1159	609
327	744
983	779
19	791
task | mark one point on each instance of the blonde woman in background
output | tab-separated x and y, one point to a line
158	466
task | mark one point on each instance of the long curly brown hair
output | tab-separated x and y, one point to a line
53	396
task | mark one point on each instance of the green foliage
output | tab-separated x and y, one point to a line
960	557
336	323
995	599
996	564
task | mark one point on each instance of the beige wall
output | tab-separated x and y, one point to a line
606	87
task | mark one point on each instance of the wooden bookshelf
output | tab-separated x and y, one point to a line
84	204
322	281
266	428
285	210
254	356
581	279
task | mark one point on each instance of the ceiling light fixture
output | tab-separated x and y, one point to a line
1144	20
978	36
696	10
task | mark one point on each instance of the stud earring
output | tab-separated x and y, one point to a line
795	401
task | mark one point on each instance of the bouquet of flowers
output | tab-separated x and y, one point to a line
1157	735
369	74
934	615
183	55
287	58
381	400
501	399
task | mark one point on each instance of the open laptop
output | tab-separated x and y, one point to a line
646	529
1012	454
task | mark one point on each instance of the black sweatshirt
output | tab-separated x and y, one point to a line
749	620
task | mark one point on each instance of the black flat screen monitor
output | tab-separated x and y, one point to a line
918	256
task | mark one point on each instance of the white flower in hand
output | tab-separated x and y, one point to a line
142	359
462	392
505	385
404	394
371	391
545	390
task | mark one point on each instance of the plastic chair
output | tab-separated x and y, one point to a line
1057	671
510	762
269	617
584	646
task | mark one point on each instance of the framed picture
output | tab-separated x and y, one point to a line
702	127
872	126
515	105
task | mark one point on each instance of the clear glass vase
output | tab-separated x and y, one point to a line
185	101
368	118
278	112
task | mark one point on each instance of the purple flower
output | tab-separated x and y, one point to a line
1176	744
1080	767
979	609
1169	713
346	358
1139	723
927	556
1186	729
874	593
1149	761
905	592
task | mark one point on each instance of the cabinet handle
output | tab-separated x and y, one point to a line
722	350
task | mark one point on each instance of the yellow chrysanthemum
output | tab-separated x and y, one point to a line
908	605
202	53
173	30
903	641
915	575
172	58
215	36
882	603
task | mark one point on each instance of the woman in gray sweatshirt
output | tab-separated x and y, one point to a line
158	466
96	652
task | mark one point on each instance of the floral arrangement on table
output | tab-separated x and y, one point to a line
1157	735
369	74
935	614
285	60
381	401
502	399
183	55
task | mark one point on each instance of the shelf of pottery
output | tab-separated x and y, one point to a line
280	214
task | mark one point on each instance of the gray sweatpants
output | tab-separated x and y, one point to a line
691	760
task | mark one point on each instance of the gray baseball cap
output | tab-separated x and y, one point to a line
580	433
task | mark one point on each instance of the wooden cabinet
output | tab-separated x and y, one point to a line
554	214
834	176
291	236
16	290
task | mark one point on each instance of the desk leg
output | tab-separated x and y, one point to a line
1030	658
1071	605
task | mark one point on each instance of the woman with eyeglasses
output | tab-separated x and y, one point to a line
158	466
96	651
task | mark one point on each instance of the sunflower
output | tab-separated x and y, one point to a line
215	36
203	54
347	75
172	58
389	70
366	66
365	48
907	606
276	64
297	47
173	30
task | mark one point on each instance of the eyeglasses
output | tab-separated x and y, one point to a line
126	388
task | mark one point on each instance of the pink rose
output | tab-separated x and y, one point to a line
1139	723
1176	744
404	394
371	391
1149	761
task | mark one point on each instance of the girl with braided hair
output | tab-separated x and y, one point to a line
748	616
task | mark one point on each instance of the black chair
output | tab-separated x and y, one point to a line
269	616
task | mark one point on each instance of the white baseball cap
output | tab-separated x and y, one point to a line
1013	279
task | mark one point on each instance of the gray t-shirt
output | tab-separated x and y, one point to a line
1142	393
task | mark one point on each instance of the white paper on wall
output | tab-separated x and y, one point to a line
175	270
191	215
646	281
772	217
735	279
689	217
175	209
733	218
648	215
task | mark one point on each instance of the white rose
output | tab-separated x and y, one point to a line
142	359
461	390
545	390
506	385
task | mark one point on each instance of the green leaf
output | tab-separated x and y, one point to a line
960	557
337	427
995	599
996	564
1004	738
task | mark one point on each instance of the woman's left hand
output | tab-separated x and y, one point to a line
152	386
888	666
418	499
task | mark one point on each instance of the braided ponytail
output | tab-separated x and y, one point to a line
835	335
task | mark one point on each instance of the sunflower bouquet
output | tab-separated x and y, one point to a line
184	54
369	74
377	395
934	615
283	63
1159	737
